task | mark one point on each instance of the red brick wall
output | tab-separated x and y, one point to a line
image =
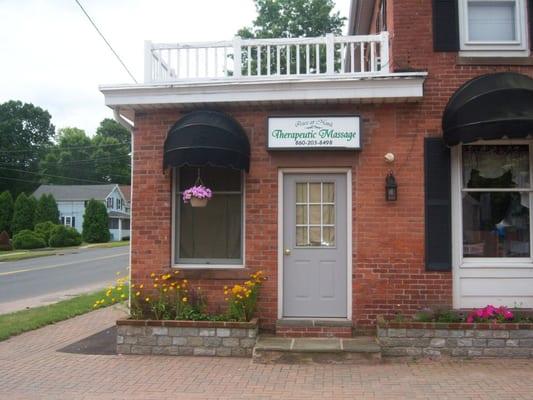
388	238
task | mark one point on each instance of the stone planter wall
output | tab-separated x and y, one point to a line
419	339
187	338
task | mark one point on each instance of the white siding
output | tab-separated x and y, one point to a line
74	209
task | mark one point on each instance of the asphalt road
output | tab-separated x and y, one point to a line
38	281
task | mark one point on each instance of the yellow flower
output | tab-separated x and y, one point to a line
165	290
118	273
132	285
176	272
138	294
156	279
225	287
147	299
141	286
156	285
113	299
171	288
119	288
122	296
184	299
152	275
185	281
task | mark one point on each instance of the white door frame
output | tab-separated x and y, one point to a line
348	173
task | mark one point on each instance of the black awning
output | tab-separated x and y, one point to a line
207	138
488	107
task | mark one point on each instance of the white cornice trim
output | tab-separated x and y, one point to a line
399	86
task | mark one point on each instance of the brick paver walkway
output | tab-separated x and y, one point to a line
31	367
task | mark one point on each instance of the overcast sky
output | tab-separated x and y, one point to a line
52	57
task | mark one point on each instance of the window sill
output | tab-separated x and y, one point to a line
496	265
494	58
225	272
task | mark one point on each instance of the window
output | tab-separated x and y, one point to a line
109	202
315	214
493	28
119	204
68	221
113	223
212	234
381	18
126	224
496	201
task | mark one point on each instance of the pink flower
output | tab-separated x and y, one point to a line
200	192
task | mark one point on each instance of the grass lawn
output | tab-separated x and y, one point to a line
107	245
16	255
27	320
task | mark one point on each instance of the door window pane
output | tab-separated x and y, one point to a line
496	166
496	224
315	214
491	21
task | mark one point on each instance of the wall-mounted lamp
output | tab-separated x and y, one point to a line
391	187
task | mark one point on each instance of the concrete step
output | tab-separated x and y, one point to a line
285	350
314	328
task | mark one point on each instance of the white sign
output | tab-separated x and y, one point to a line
314	133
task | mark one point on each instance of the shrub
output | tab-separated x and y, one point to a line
23	214
95	223
46	210
27	239
44	229
5	243
6	211
63	236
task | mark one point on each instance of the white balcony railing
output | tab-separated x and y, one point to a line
241	59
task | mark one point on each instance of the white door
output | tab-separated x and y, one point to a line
314	246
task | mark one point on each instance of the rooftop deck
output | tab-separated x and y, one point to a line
241	59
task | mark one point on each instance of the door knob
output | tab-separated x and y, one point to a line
287	252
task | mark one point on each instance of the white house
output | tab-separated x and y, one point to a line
72	199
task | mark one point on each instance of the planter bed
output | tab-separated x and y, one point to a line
187	338
433	339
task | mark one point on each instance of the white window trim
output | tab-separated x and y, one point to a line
69	224
173	253
518	48
457	212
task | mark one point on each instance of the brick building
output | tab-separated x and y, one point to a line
298	141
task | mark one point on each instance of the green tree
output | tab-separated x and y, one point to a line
95	223
290	19
6	211
46	210
25	135
293	18
112	129
23	213
70	159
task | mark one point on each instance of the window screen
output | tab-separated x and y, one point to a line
491	21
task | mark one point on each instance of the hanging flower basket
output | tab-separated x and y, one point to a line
197	195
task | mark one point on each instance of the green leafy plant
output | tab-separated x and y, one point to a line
6	211
242	299
27	239
44	229
95	223
23	214
46	210
64	236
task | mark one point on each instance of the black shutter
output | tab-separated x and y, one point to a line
530	20
62	220
445	25
73	222
437	205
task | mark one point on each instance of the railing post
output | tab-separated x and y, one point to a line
330	53
384	53
148	61
237	57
